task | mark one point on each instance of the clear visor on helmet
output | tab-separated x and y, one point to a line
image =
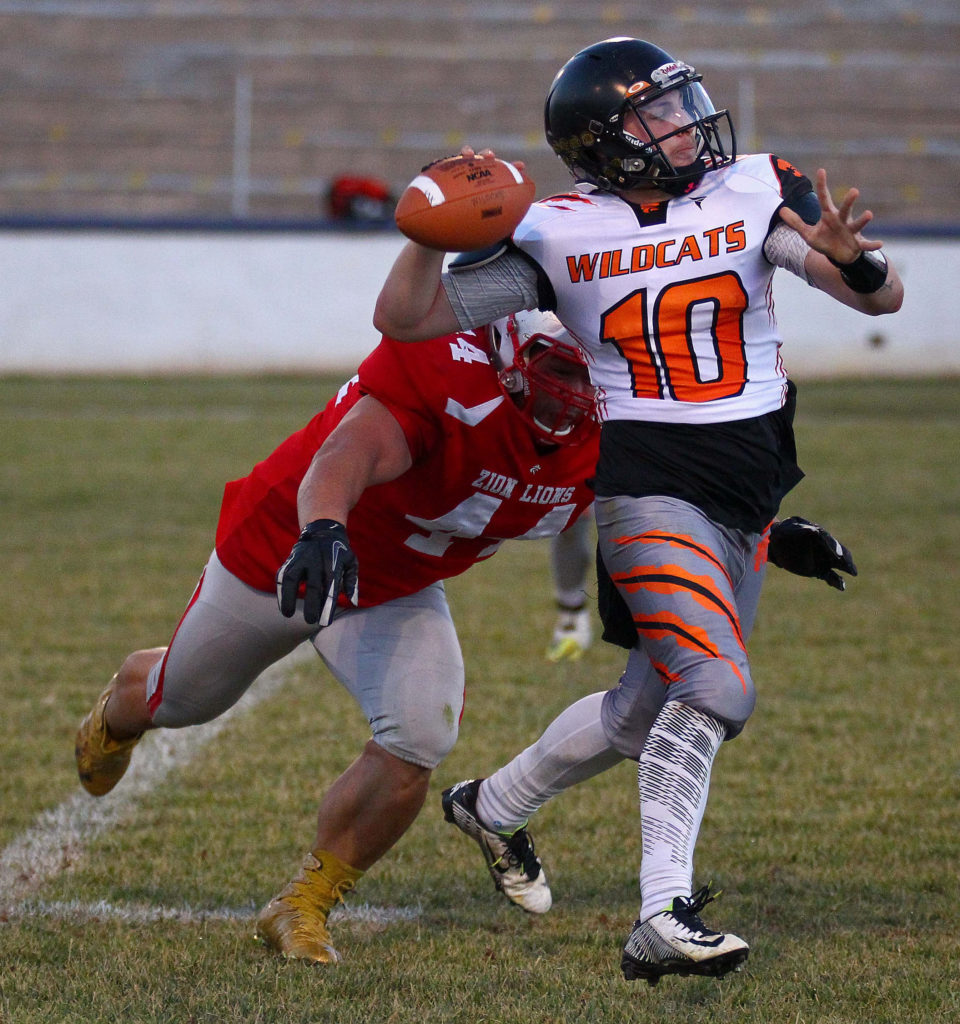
673	111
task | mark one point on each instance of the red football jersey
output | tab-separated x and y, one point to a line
477	477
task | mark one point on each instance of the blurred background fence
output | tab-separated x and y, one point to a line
249	108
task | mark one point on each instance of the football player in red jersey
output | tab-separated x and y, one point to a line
343	536
660	264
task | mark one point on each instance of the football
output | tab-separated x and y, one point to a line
464	203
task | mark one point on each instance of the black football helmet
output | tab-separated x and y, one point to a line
597	87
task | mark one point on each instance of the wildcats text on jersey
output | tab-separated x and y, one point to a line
675	311
728	238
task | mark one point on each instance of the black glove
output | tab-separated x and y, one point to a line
806	549
323	561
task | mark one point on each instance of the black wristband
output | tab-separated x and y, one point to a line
866	274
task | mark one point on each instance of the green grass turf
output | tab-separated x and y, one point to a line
832	825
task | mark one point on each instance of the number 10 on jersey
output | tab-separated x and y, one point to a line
689	347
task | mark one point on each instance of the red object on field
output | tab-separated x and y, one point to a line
359	199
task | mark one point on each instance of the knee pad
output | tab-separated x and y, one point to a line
420	742
630	709
728	696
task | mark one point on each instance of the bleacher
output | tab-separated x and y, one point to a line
248	108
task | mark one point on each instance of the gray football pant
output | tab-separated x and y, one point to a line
401	661
695	590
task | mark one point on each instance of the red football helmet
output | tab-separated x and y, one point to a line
542	370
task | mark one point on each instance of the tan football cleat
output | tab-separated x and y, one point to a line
294	922
101	760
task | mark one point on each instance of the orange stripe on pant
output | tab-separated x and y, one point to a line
761	555
665	625
679	540
673	579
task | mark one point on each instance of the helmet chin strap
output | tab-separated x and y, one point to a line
684	185
678	180
681	179
556	432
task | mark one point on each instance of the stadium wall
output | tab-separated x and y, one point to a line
157	302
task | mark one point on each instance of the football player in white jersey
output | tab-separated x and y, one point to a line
660	263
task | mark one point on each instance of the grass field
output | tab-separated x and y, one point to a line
832	828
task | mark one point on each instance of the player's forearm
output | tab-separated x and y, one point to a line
412	304
825	276
331	488
888	298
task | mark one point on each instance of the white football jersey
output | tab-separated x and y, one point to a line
672	303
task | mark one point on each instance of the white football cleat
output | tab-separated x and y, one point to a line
514	867
676	941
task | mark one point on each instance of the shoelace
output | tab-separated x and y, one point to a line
520	852
302	892
689	911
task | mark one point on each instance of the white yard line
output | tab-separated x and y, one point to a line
58	837
147	913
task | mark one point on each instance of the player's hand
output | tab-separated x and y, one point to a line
807	549
324	563
469	151
837	233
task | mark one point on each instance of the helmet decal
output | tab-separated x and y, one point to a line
597	121
669	72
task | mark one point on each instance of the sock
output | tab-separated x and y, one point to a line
571	749
674	780
570	600
571	554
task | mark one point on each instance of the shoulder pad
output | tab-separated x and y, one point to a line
797	190
805	205
478	257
